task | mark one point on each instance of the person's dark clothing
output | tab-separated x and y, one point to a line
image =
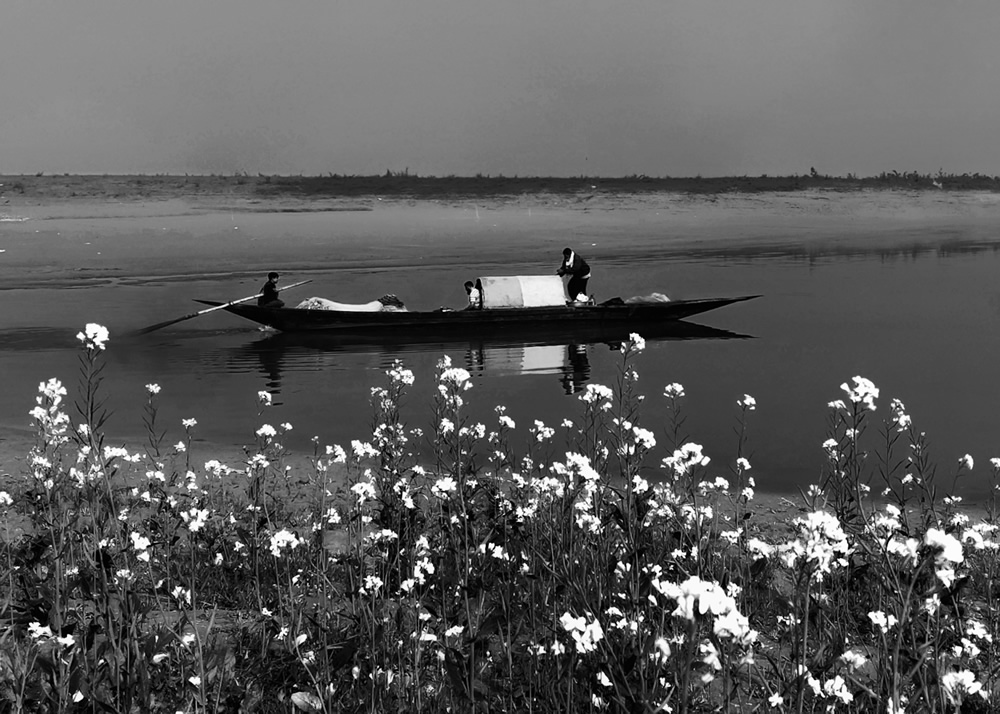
578	270
269	296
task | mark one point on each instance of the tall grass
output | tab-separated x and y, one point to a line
494	575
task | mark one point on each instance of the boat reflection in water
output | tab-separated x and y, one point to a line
561	352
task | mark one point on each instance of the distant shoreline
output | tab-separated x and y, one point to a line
70	187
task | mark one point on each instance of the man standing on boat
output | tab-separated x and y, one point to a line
269	293
576	267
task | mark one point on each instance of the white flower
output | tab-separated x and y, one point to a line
195	518
748	403
882	621
594	393
864	392
153	388
444	486
957	685
38	631
635	344
585	634
264	398
139	542
283	539
94	336
675	390
644	438
189	423
457	376
951	547
966	462
267	431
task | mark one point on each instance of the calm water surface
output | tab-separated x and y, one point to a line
917	313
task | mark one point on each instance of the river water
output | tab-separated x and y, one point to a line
912	305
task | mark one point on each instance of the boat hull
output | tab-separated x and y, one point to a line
619	315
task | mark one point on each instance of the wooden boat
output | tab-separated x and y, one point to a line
508	302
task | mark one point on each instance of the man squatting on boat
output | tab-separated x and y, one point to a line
576	267
269	293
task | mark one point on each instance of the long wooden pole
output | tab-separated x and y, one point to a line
159	325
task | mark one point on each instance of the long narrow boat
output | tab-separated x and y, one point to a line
507	302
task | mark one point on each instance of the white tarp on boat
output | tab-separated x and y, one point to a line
522	291
386	303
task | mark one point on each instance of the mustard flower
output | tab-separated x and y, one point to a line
400	375
364	491
686	458
153	388
94	336
961	684
444	486
836	688
189	423
372	584
594	393
674	390
863	392
283	539
586	634
5	499
882	621
635	344
37	631
363	450
966	462
195	518
456	376
748	403
643	438
140	544
542	432
759	549
822	544
949	547
267	431
700	597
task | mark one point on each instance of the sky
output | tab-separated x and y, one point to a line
512	87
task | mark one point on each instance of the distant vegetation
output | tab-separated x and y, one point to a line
404	184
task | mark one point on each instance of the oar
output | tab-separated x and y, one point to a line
159	325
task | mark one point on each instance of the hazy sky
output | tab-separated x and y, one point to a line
519	87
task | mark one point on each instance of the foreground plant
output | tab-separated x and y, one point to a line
483	579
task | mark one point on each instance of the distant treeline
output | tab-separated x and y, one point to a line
407	185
